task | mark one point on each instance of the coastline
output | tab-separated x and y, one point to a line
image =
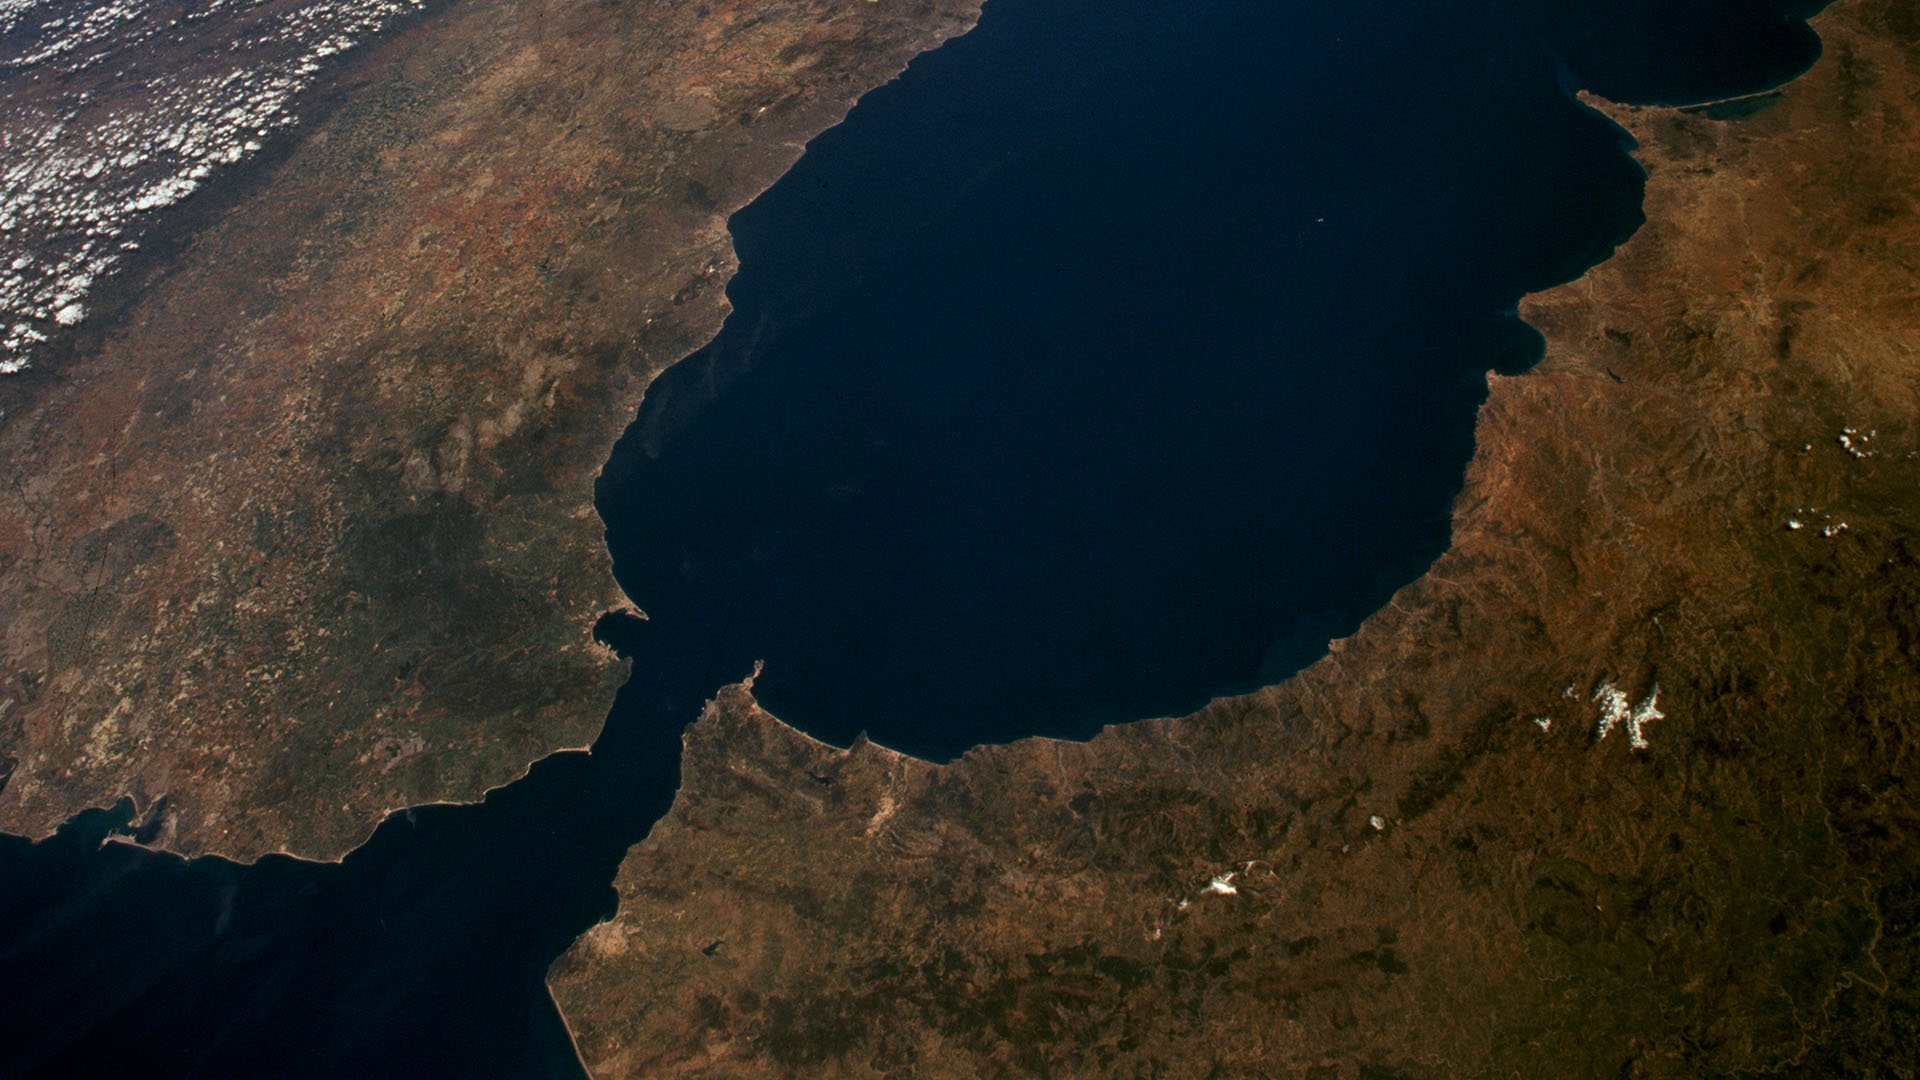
1438	865
1068	894
333	303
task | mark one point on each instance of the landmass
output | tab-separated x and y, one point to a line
302	530
1618	788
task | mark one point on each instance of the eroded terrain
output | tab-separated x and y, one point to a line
1619	788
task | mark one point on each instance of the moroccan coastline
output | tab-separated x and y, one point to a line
309	534
306	534
1440	851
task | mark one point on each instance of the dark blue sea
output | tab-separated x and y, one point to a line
1115	357
1124	352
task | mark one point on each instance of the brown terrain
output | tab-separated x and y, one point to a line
308	533
1427	862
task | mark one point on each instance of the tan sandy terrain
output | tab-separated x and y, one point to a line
1419	858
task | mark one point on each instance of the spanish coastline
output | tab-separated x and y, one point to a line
1188	847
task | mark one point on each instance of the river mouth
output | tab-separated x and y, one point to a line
1118	356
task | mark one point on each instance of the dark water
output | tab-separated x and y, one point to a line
1117	355
1126	351
422	954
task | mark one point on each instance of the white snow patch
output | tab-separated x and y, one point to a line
1854	441
1613	708
1804	515
1616	708
1643	714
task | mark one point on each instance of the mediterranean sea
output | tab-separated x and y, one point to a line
1121	354
1116	356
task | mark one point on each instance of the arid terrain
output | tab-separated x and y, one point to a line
1691	525
304	532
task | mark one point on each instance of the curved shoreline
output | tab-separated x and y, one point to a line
1604	248
1071	869
421	484
1419	870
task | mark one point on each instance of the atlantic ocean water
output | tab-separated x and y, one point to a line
1116	356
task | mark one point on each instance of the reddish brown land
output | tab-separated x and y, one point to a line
305	532
1416	877
308	533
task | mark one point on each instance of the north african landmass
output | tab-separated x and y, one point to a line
305	531
1618	788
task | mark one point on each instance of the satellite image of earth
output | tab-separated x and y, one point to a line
919	538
